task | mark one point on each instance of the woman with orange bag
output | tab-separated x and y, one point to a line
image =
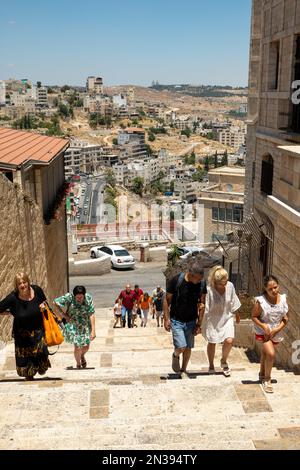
24	303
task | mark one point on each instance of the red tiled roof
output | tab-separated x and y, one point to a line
18	147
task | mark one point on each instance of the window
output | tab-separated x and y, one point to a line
222	214
238	214
267	172
228	215
215	213
274	65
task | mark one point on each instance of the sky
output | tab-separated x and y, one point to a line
126	41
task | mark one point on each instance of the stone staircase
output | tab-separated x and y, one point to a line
129	398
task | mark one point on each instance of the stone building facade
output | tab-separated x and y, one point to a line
31	239
272	191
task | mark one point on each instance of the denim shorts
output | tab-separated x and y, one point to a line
183	334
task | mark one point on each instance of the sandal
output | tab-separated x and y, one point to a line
261	378
226	369
78	366
83	362
267	386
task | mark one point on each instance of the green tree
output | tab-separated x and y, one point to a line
193	158
225	159
115	141
138	186
172	186
187	132
65	88
63	110
151	137
110	178
39	84
216	163
206	164
174	254
149	149
210	136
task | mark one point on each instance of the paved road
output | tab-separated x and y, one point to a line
96	202
106	288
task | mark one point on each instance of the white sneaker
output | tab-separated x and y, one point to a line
184	375
226	369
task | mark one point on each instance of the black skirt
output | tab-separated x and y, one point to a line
31	353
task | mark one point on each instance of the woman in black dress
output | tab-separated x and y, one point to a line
28	331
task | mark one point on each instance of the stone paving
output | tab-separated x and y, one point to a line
129	398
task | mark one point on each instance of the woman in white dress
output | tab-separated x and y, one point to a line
218	322
270	318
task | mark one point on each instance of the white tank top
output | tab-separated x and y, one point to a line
272	315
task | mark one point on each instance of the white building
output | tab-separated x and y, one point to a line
121	174
42	97
2	92
119	101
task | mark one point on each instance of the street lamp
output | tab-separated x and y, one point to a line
182	221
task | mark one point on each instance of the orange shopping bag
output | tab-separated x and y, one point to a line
53	334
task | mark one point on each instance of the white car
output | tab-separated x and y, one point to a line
208	260
120	258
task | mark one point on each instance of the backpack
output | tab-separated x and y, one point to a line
179	284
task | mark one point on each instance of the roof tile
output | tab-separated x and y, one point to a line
17	147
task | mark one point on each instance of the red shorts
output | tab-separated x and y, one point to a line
261	339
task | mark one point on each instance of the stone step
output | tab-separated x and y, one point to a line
128	444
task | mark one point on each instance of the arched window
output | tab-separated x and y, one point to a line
267	173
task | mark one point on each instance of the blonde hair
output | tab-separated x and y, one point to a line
21	276
217	274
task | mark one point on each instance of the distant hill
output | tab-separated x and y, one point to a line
202	91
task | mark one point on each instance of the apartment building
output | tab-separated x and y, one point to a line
82	157
94	85
121	174
132	143
233	137
273	158
186	190
98	104
41	97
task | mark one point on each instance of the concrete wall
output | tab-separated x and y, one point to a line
158	254
90	267
27	244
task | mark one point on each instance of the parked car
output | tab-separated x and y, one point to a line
208	260
120	258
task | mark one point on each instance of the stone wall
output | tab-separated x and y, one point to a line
27	244
275	22
90	267
57	257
